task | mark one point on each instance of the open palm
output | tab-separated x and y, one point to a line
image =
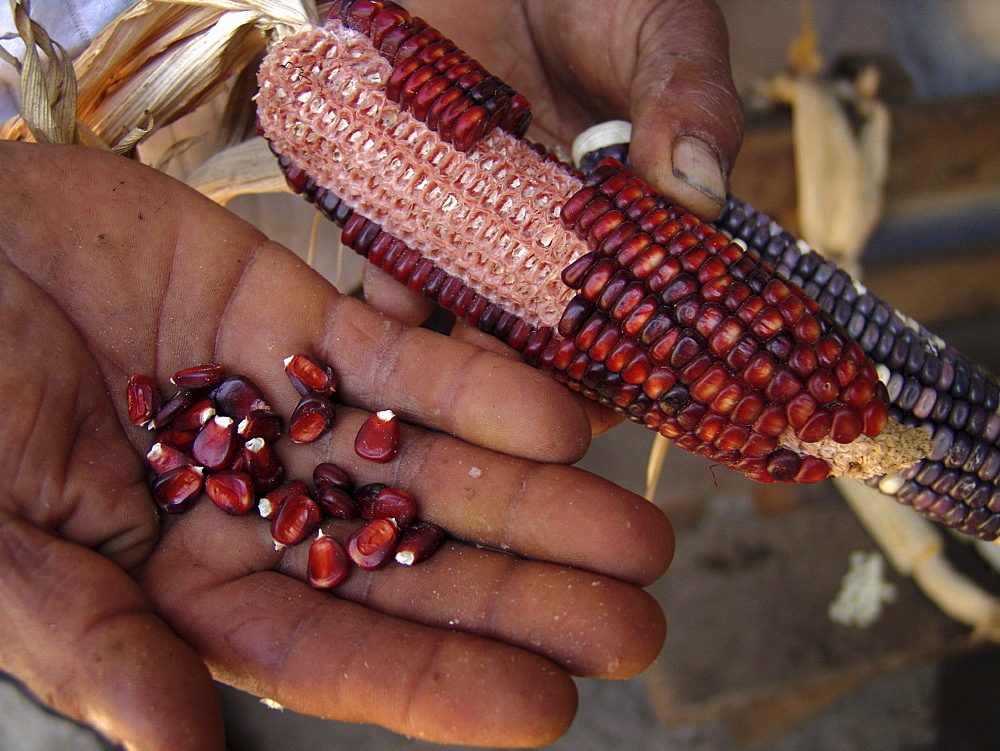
120	617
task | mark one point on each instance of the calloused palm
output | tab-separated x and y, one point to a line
120	618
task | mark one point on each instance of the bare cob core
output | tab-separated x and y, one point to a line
629	300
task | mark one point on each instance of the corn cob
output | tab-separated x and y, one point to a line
416	151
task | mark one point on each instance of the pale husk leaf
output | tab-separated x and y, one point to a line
159	60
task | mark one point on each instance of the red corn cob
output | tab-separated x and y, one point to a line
632	301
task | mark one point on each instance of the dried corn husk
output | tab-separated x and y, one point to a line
156	62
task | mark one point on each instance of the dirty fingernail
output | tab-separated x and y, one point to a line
696	164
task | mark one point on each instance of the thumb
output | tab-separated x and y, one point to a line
686	115
79	633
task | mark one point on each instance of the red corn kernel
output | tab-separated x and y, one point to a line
750	308
297	517
775	291
237	396
651	259
717	289
269	503
613	290
663	348
739	293
216	444
783	465
758	446
710	426
373	544
663	276
817	427
591	213
823	386
845	371
312	417
640	316
194	416
691	415
732	437
728	397
759	371
768	323
791	309
414	83
710	317
179	402
231	491
385	21
575	205
400	73
693	260
142	399
658	382
577	311
563	353
576	369
261	423
336	502
603	227
813	469
181	439
748	409
858	393
687	348
696	368
807	329
622	354
574	275
310	375
783	386
626	244
427	94
725	337
391	503
741	353
708	386
874	418
366	494
328	563
162	457
799	409
627	302
827	351
637	370
378	438
174	491
328	474
418	543
846	424
470	127
198	376
771	421
587	333
803	361
263	465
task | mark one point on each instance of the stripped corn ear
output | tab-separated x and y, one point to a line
599	281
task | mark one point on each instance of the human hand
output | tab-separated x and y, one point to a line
119	618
